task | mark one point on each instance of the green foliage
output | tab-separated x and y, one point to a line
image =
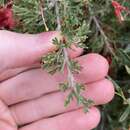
123	57
52	62
93	25
76	94
58	61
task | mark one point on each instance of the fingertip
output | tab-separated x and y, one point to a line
100	62
101	92
74	51
46	40
107	88
94	67
110	91
89	120
96	116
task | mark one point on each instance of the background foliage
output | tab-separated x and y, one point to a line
94	23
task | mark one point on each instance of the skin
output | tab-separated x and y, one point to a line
29	96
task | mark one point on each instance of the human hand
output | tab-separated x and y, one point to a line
30	97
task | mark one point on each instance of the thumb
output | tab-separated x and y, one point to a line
18	50
6	120
6	126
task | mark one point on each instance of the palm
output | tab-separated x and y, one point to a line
32	95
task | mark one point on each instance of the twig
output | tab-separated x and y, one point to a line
58	16
103	34
71	78
70	75
42	14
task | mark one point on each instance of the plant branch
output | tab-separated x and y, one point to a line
66	56
42	15
103	34
58	16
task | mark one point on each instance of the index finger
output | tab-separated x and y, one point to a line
17	50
